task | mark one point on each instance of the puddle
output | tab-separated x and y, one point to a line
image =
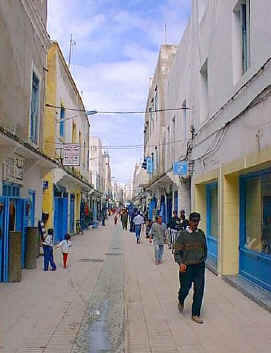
98	334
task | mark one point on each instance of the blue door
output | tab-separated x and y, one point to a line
255	228
21	223
72	205
169	208
4	229
60	218
212	221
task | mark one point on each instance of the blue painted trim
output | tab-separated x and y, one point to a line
211	239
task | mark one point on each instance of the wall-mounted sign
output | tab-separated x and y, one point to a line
13	170
180	168
149	165
71	155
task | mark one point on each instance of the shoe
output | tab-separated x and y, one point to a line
180	307
197	319
156	262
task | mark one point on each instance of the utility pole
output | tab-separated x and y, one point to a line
72	43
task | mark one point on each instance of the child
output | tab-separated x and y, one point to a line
48	250
65	246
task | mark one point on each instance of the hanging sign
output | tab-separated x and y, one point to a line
13	170
71	155
180	168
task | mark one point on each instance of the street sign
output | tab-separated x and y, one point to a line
180	168
71	155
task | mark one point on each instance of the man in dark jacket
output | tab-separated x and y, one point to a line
190	253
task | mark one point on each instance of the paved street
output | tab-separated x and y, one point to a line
82	309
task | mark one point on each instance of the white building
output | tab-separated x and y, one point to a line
23	61
221	75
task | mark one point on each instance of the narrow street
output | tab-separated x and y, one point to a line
114	299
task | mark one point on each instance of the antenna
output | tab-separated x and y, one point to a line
165	33
72	43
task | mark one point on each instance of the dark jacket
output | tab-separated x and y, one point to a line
190	247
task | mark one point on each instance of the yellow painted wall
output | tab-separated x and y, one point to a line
229	207
229	238
49	133
48	201
200	204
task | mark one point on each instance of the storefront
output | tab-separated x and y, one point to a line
212	221
255	227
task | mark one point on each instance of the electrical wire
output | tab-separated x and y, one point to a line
122	147
119	112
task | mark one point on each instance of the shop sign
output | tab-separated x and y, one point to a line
71	155
13	170
180	168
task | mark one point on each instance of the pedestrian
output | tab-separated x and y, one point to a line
190	253
184	222
174	226
158	234
65	246
138	222
124	219
103	216
48	250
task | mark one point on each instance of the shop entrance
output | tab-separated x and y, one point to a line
212	221
255	228
13	217
60	218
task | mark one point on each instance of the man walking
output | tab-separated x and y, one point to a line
173	226
138	221
158	234
190	253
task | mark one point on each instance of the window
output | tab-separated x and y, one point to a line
204	109
61	123
34	114
245	26
241	39
257	193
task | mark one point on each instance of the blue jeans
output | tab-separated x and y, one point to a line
137	230
158	252
48	258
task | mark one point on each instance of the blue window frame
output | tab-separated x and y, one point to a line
34	115
11	190
212	220
62	122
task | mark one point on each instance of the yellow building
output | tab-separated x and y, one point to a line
65	195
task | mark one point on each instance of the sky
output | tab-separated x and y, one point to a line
116	51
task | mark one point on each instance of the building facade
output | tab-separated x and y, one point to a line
65	197
23	60
220	80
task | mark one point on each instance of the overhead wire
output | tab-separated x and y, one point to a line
119	112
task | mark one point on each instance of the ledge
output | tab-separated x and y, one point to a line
257	294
